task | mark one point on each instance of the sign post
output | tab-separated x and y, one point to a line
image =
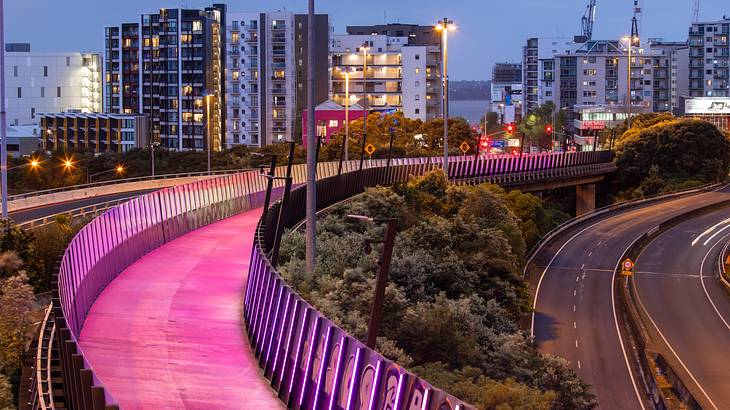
370	149
627	267
464	147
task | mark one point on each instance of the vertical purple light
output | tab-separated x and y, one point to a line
273	326
300	341
313	339
374	390
336	376
426	398
399	392
322	365
353	388
281	332
288	340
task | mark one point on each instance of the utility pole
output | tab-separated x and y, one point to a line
3	118
444	26
311	217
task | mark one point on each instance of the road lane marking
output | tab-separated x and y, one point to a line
574	326
574	292
618	332
578	364
676	355
576	343
714	235
573	308
709	230
590	253
582	266
576	278
542	276
688	275
702	265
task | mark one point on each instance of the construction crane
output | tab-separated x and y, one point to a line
696	12
588	20
635	23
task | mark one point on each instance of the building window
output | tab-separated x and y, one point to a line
32	112
45	71
418	56
333	123
418	70
15	71
20	92
58	92
418	83
418	110
43	92
417	97
197	25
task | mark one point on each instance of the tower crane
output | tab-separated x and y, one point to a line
588	20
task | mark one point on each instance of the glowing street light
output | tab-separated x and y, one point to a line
444	26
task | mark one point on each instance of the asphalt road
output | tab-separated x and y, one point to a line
685	300
574	306
47	210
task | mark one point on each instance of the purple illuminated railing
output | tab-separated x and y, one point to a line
310	361
124	233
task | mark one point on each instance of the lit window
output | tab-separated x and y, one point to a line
197	25
235	75
127	42
234	37
418	70
333	123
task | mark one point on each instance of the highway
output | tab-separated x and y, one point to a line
574	303
57	208
687	303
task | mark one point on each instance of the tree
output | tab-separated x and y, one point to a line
16	298
678	150
6	395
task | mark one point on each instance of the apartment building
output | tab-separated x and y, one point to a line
266	72
670	64
93	132
538	68
709	59
170	66
401	63
37	82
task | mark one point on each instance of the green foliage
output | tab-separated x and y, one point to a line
661	149
6	395
535	122
455	293
16	298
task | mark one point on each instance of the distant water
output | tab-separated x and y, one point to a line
472	110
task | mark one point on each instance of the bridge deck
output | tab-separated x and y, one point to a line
167	333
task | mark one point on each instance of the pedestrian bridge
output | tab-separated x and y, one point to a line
163	302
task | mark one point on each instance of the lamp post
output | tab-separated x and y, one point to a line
153	145
3	120
630	40
376	312
118	169
444	26
208	134
365	47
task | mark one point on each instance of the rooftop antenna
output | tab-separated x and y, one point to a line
696	12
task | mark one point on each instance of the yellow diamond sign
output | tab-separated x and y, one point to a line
370	148
464	147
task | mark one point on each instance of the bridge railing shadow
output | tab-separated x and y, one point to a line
126	232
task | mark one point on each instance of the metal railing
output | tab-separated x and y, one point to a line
73	213
120	181
112	241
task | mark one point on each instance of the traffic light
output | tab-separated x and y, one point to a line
549	129
510	128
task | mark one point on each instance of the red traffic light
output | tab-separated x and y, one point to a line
510	128
549	129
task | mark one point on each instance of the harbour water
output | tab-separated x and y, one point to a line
471	110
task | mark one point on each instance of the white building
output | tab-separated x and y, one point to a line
538	68
709	59
50	82
400	75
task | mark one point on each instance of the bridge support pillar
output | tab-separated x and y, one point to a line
585	199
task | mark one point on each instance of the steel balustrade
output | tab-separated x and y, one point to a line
279	322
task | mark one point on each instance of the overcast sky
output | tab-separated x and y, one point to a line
489	31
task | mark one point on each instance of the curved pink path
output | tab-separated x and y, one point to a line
167	332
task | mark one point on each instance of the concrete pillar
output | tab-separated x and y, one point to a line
585	199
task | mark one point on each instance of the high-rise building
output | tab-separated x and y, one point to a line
538	68
37	82
403	68
266	72
709	59
670	74
507	73
170	66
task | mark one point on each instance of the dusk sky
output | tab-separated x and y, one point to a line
489	31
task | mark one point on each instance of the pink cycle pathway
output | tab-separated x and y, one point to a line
167	332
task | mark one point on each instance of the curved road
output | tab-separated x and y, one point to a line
29	214
574	305
679	289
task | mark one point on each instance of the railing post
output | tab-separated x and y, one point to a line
269	187
283	210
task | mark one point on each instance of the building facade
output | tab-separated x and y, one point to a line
539	68
400	75
709	59
266	72
47	82
93	132
330	118
170	66
670	65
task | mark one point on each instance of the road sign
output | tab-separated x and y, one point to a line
464	147
627	272
628	264
369	149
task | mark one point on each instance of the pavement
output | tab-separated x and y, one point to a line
574	306
174	320
679	288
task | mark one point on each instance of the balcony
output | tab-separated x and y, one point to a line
278	39
252	39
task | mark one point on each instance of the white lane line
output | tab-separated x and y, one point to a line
708	231
576	343
578	364
599	243
714	235
537	291
573	308
574	326
618	332
702	265
576	278
590	253
582	266
574	292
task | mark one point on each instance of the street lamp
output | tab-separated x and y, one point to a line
3	121
208	134
376	312
630	40
346	72
365	47
119	169
152	146
444	26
